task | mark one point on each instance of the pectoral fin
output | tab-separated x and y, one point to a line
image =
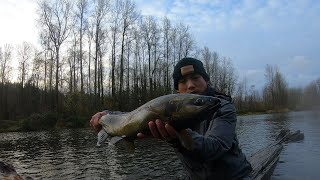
123	142
114	140
130	145
102	136
186	139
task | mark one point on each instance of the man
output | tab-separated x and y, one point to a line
216	153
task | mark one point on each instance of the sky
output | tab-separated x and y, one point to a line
252	33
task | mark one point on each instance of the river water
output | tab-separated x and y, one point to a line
72	154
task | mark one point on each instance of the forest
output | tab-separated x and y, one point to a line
103	54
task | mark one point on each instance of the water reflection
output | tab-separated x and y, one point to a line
277	122
72	154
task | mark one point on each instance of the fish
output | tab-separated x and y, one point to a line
179	110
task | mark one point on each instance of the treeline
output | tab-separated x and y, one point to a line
276	96
104	54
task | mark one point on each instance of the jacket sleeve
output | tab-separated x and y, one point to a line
219	136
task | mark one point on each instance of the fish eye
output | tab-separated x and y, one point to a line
199	102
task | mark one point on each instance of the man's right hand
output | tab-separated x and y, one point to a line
94	122
160	130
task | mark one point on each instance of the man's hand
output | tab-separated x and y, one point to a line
94	122
160	130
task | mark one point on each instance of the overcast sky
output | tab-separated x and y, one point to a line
252	33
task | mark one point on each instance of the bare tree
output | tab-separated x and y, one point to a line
147	27
90	35
81	12
114	27
281	90
275	91
174	42
166	30
311	95
55	18
185	41
241	93
214	70
220	71
295	98
206	57
227	77
128	17
5	60
36	70
24	53
71	63
100	10
137	64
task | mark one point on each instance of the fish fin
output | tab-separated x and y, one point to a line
130	145
114	140
186	139
102	136
123	142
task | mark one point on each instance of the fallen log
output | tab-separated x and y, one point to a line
264	161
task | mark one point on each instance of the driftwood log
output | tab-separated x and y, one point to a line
264	161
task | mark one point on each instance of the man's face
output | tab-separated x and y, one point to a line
192	83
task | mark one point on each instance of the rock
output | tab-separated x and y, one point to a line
7	171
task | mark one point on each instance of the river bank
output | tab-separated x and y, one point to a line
38	122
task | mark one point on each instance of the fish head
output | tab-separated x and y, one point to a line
191	105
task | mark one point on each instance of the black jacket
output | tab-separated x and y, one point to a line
216	154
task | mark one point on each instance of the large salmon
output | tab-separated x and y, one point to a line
179	110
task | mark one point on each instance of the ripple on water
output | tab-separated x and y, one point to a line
72	154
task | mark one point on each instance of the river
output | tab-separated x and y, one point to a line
72	154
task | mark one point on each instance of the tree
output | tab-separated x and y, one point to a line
24	53
147	26
185	41
241	94
55	17
5	59
114	27
275	92
311	95
37	62
81	12
211	63
166	30
295	98
90	36
221	71
128	18
100	10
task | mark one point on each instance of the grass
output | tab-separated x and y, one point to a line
10	125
